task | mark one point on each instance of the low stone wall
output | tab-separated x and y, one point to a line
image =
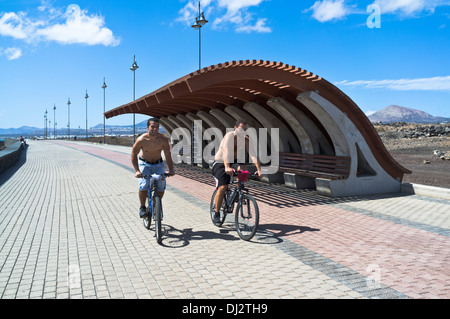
411	130
10	156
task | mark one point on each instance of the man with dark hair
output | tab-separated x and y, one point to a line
226	160
150	145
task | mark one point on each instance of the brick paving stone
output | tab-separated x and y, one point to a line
72	231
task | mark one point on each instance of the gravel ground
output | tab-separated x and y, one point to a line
416	154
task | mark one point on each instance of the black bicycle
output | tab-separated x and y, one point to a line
247	211
154	207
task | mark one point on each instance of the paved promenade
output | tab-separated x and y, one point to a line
69	228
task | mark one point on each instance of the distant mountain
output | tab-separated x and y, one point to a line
396	113
141	127
19	131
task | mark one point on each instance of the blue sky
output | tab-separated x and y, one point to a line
54	50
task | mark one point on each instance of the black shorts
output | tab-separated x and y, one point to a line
218	171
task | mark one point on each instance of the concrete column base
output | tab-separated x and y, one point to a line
356	186
272	178
298	182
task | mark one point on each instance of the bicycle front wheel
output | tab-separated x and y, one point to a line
147	219
247	217
157	210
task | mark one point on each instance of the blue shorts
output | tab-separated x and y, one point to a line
149	169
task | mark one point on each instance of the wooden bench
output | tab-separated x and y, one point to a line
322	166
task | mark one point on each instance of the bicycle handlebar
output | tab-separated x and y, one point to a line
155	175
237	173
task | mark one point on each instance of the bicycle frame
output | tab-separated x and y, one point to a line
246	208
237	191
154	213
152	189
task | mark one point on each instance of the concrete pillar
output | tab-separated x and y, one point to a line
167	125
346	137
307	131
288	141
176	122
185	132
192	117
223	117
186	121
279	106
238	113
211	121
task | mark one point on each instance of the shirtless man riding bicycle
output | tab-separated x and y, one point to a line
150	145
226	160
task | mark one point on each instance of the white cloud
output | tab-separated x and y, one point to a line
406	7
17	25
11	53
439	83
235	12
79	27
73	26
332	10
328	10
236	5
260	27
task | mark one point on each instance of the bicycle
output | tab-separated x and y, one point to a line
247	211
154	207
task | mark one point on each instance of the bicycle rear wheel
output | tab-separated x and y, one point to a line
247	217
223	210
157	210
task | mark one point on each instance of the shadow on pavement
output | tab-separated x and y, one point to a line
176	238
278	195
266	234
284	230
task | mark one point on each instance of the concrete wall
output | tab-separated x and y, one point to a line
10	156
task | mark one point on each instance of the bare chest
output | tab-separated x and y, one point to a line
151	149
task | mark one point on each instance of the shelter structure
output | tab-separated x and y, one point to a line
314	119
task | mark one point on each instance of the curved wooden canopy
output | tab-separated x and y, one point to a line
239	82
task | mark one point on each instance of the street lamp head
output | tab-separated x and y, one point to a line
68	102
86	96
202	21
104	84
54	107
134	67
196	25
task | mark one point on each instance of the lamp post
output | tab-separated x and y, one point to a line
104	117
86	97
54	121
200	21
45	123
46	119
133	68
68	117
